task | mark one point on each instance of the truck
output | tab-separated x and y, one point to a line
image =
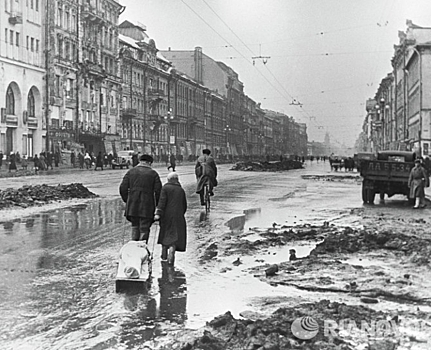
387	174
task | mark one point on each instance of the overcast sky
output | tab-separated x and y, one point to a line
329	55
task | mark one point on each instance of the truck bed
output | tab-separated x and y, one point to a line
381	170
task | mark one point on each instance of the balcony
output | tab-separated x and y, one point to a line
92	14
11	120
15	18
32	122
155	93
129	112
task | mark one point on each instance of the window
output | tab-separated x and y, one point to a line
31	4
67	19
5	35
17	39
66	50
10	102
59	15
37	5
69	88
11	36
37	45
57	85
30	104
32	44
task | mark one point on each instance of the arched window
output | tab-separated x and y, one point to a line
10	101
30	104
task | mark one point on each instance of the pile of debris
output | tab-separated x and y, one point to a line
299	327
28	196
267	166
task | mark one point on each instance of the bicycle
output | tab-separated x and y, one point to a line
207	197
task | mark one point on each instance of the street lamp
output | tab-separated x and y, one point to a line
227	129
169	117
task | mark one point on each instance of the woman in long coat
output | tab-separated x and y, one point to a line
170	211
418	179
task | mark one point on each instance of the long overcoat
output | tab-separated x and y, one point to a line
206	172
171	208
418	179
140	190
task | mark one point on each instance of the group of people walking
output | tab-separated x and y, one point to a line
43	161
147	201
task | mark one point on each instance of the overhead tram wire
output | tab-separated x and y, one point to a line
299	107
247	60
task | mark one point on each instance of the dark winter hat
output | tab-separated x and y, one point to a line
146	158
206	151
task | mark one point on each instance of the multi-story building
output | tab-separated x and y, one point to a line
147	119
219	79
22	73
401	118
82	74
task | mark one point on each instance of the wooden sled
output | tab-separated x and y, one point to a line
126	284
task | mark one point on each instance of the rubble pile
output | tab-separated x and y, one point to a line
267	166
352	241
275	332
27	196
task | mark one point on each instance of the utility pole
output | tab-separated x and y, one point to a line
47	75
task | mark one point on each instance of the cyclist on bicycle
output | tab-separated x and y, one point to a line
206	174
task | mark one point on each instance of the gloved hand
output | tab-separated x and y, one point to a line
156	217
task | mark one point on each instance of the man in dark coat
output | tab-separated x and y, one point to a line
1	158
140	190
172	160
99	161
170	211
206	173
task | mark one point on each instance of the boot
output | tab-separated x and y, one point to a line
171	255
135	233
422	203
417	203
164	256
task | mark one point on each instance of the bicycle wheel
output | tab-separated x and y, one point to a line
207	198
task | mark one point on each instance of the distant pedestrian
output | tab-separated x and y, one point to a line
42	161
170	211
56	158
172	161
72	159
110	158
49	160
87	160
80	160
418	180
135	159
12	161
105	160
24	163
99	161
36	163
1	158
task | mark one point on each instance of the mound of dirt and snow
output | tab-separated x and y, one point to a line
36	195
267	166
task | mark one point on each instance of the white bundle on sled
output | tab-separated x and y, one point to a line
135	260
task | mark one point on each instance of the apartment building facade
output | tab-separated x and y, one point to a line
22	73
